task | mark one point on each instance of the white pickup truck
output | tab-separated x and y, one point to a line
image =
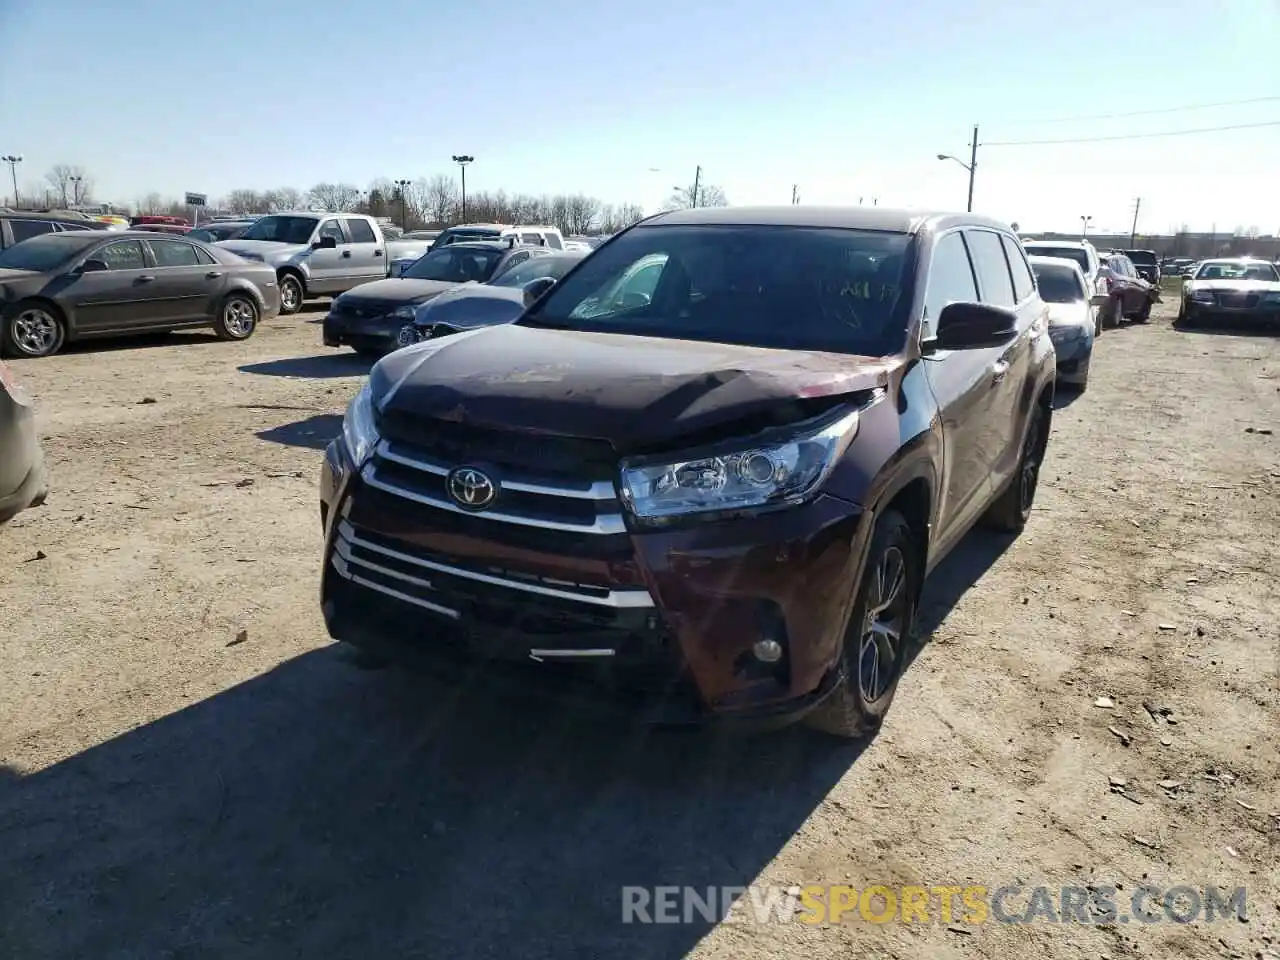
321	254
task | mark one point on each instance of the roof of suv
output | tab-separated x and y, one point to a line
864	218
1082	244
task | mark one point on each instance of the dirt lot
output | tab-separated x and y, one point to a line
168	792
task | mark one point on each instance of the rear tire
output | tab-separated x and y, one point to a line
33	328
1013	507
1115	313
877	634
237	318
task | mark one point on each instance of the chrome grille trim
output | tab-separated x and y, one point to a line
600	490
609	523
347	538
344	571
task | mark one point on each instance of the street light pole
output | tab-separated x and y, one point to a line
13	160
971	166
697	178
462	160
404	216
1084	226
75	187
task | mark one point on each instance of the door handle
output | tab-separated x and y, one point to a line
145	280
999	369
346	254
212	275
377	253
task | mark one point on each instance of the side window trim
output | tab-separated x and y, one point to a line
1012	249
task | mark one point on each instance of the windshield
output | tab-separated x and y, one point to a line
534	269
1058	284
46	251
1234	270
801	288
282	229
455	264
1077	254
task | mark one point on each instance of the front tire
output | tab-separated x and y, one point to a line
237	318
33	329
877	634
291	293
1012	508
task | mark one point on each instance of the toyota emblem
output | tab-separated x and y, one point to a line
470	488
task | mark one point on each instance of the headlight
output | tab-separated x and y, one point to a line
783	471
360	428
1065	332
1204	296
407	312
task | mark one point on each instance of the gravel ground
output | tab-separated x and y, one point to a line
167	791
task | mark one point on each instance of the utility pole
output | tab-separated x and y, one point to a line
697	178
462	160
404	216
795	194
973	165
1133	232
75	188
13	160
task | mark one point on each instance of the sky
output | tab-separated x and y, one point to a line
849	101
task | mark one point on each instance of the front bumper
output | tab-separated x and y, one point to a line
679	611
23	480
1261	314
378	332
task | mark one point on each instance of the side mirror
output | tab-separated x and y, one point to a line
973	326
536	288
1099	300
325	243
93	265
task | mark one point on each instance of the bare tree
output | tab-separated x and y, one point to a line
68	181
440	199
336	197
709	195
580	213
246	201
613	219
281	199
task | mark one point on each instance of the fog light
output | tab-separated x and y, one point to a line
767	651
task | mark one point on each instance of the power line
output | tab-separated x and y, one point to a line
1134	136
1144	113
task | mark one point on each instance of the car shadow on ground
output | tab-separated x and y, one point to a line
1241	332
136	341
317	810
966	564
314	433
319	367
1065	395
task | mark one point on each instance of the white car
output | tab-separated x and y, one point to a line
1082	252
1074	323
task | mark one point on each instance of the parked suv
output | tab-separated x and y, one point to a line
16	227
726	492
1130	296
1147	263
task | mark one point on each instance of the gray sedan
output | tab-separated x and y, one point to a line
70	286
22	479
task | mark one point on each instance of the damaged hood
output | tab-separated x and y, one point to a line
634	392
398	289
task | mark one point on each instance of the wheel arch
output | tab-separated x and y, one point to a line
58	310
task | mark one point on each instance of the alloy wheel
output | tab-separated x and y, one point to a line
290	295
882	625
239	317
35	331
1029	469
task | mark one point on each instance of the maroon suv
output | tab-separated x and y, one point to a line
715	461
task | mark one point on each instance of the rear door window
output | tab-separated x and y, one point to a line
994	280
174	253
360	231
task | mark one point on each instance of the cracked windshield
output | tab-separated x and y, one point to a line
807	489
